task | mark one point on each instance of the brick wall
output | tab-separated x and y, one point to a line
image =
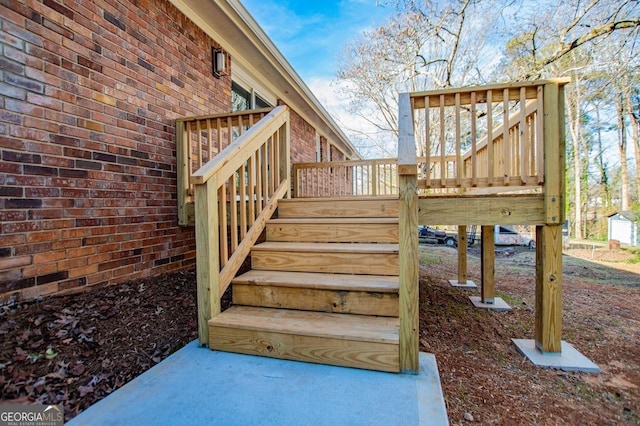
303	145
88	94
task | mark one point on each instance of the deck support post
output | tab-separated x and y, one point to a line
487	260
462	254
548	305
207	255
408	247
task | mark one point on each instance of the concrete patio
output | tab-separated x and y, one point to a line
196	386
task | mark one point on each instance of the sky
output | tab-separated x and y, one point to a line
312	34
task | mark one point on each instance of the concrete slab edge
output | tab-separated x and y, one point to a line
432	409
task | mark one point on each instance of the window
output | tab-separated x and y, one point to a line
243	99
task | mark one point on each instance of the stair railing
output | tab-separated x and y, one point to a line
346	178
200	139
235	194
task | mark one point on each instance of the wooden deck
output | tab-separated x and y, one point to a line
336	280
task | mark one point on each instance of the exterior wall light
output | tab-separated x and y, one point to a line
219	60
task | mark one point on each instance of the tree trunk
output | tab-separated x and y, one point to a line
573	107
604	178
635	130
622	147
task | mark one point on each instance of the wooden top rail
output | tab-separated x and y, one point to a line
224	165
225	115
418	98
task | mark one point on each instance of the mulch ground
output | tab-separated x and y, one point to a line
76	349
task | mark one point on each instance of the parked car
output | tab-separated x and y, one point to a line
441	237
505	236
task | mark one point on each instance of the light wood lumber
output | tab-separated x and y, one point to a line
339	207
300	257
240	149
237	258
548	304
406	139
488	263
462	254
553	158
319	300
409	255
340	352
335	230
485	210
362	328
207	256
365	283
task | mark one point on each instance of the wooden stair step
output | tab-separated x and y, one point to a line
339	293
371	283
347	340
379	230
339	207
341	258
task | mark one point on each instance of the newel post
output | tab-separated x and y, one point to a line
207	257
548	304
408	233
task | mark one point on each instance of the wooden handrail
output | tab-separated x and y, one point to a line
235	194
234	114
199	140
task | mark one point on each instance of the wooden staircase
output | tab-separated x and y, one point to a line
323	287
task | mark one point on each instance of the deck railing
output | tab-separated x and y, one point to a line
456	125
235	194
346	178
199	140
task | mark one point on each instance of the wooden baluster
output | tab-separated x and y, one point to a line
240	125
259	194
276	162
233	211
505	137
524	137
374	178
219	130
474	159
459	166
243	201
272	162
427	138
265	174
230	131
199	142
209	140
540	135
224	233
251	168
490	163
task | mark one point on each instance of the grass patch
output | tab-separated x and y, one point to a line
635	253
427	258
